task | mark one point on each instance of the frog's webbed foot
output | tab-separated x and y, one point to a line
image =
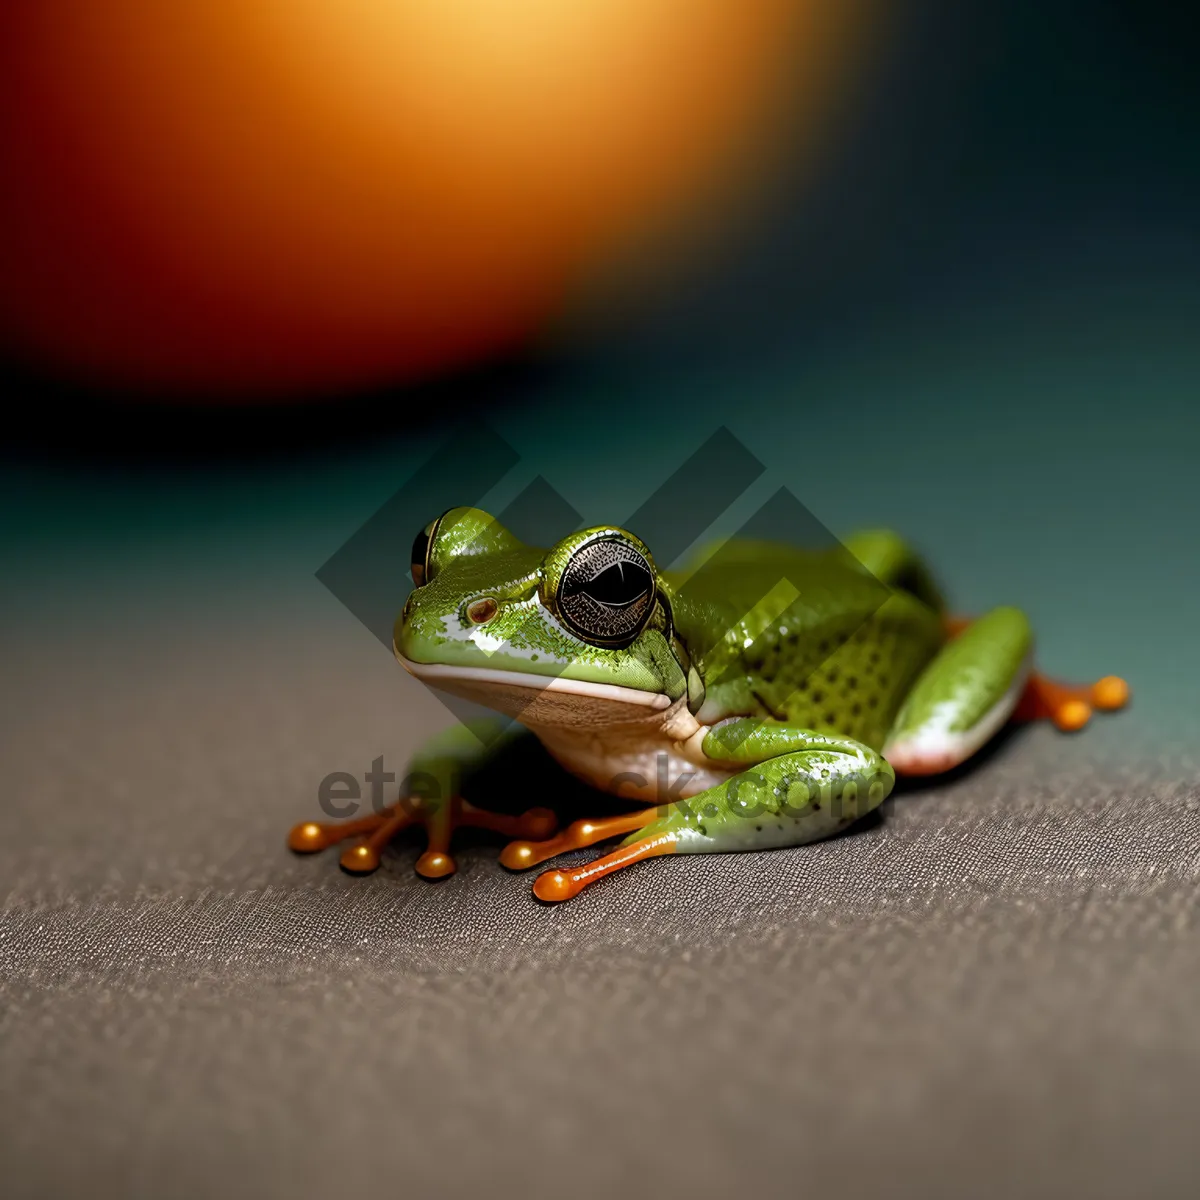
439	819
1069	706
562	885
521	855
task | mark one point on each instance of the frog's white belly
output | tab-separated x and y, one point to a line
638	745
650	766
635	744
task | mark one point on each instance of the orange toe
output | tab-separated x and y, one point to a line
554	886
1110	693
1072	715
360	859
435	864
375	831
519	856
307	838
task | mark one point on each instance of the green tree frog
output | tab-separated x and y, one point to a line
767	697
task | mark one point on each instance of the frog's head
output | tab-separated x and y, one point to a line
581	629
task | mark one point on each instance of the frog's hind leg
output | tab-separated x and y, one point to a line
896	564
798	786
963	697
1069	706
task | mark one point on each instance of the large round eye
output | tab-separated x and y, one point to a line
422	544
606	594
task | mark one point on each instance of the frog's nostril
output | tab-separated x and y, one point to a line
482	611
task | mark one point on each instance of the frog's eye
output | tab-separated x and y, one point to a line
606	593
422	545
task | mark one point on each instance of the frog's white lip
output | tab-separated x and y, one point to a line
432	672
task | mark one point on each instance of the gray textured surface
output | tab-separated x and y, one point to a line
992	991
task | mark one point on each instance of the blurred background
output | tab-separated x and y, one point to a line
935	264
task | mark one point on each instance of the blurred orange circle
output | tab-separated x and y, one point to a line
300	195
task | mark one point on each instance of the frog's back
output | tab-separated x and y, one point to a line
806	638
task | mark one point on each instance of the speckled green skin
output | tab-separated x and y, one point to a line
839	659
975	668
803	666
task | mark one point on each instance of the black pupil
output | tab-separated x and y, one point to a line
420	552
607	592
618	585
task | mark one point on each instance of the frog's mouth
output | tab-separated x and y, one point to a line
542	700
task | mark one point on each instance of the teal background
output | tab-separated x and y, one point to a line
979	329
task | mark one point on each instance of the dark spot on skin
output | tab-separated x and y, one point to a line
817	697
823	647
873	702
856	710
758	829
830	719
779	716
816	806
852	682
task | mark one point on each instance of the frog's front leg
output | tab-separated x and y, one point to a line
438	770
798	787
